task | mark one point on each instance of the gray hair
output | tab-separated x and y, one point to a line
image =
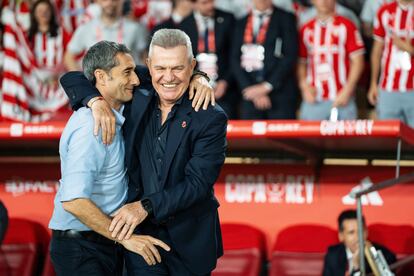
102	55
170	38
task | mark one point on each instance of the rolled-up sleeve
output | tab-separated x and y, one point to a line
84	158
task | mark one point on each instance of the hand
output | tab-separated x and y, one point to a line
104	119
262	102
202	92
256	90
220	89
127	218
343	97
373	94
145	246
402	44
308	93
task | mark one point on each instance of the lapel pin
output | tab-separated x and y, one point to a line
220	19
184	124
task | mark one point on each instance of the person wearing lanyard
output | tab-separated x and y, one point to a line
180	10
392	60
111	26
264	54
331	62
210	31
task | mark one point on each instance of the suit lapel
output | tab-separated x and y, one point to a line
218	29
139	105
178	126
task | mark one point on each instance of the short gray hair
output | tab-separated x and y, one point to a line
170	38
102	55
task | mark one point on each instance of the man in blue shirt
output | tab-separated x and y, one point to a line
94	182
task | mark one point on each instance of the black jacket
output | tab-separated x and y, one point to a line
336	262
223	28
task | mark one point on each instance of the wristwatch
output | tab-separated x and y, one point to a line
200	73
147	205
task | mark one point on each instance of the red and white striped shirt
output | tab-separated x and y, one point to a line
393	18
326	47
49	50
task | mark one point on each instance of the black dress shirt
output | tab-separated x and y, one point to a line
151	148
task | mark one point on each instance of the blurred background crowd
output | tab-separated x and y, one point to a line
280	59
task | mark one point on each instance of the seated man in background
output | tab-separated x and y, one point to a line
4	221
343	258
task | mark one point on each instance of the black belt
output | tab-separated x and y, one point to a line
84	235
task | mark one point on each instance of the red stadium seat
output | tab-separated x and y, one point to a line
397	238
20	248
244	251
300	250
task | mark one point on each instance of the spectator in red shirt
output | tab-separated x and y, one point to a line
392	60
331	62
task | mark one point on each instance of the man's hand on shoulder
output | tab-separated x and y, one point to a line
126	218
201	92
104	119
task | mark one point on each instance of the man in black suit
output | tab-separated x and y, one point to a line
173	156
265	49
343	258
4	221
210	31
180	10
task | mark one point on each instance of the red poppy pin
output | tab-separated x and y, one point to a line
184	124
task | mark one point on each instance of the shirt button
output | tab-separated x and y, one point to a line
159	138
159	160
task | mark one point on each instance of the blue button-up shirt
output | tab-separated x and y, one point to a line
89	169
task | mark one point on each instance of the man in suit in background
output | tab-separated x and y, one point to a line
210	31
173	158
344	257
265	49
4	221
180	10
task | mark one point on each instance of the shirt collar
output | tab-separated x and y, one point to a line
177	18
266	13
325	22
114	25
199	16
119	118
405	6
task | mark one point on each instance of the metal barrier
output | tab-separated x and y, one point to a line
358	194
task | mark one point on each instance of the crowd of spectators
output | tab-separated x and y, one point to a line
280	59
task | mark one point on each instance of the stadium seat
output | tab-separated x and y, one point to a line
244	251
20	249
300	250
397	238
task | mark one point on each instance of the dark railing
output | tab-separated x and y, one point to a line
358	194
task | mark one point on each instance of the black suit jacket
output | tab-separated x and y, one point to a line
223	27
167	24
336	262
195	152
278	70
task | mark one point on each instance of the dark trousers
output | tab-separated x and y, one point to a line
79	256
171	263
